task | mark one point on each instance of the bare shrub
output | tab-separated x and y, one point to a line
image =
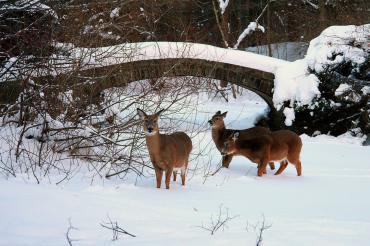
62	131
68	236
259	228
219	222
115	228
73	113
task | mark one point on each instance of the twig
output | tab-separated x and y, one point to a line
217	170
222	219
259	229
116	229
226	44
263	228
263	11
69	239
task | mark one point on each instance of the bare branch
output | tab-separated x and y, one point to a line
220	222
70	228
115	228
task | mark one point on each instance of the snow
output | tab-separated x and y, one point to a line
161	50
289	116
366	90
253	26
223	5
342	88
315	6
114	13
337	44
294	83
129	52
328	205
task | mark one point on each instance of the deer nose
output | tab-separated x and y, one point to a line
210	122
150	129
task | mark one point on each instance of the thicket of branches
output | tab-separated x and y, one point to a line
62	119
62	127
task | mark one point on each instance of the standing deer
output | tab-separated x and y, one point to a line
284	146
220	134
168	152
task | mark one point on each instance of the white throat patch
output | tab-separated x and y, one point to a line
150	134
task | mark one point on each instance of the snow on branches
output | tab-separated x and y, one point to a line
253	26
336	50
223	5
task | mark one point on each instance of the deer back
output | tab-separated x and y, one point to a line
254	148
285	144
245	134
253	132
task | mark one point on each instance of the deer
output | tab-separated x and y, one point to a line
220	134
283	146
168	152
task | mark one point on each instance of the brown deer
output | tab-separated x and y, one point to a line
168	152
220	134
284	146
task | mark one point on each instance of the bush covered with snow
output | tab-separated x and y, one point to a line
338	46
328	89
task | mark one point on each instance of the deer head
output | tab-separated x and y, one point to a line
230	144
150	122
217	120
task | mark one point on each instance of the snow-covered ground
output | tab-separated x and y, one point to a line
328	205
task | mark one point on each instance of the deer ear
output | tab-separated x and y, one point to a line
159	112
236	136
218	112
141	113
224	114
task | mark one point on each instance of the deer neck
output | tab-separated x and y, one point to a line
217	132
153	143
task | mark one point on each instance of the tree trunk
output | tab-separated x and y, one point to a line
268	31
323	14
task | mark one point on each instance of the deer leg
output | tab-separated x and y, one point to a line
262	168
184	171
226	160
183	174
158	175
168	178
282	167
272	165
298	166
265	170
174	175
